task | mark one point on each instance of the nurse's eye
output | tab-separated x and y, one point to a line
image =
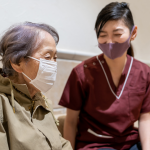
118	34
102	35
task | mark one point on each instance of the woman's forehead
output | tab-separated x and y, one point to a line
46	37
45	44
46	40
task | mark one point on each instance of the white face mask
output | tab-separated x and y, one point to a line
46	75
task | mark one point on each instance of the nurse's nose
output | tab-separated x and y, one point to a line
109	41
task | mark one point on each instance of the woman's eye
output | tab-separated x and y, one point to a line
47	57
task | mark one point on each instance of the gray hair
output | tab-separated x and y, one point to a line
20	41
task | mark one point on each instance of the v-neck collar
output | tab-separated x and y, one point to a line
117	89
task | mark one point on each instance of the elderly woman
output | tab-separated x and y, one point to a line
29	70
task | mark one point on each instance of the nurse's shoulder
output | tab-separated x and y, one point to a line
89	64
141	69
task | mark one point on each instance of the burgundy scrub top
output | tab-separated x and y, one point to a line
104	120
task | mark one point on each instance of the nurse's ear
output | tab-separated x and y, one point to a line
134	33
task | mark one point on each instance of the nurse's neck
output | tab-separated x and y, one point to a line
116	65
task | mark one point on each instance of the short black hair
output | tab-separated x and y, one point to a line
114	11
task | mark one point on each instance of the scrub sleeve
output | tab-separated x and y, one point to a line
73	95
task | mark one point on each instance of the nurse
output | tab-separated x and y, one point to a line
106	94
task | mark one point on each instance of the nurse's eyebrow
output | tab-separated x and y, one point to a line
117	30
102	31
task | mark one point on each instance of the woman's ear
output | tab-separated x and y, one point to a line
134	33
16	67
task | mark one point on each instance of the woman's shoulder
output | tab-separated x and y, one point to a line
4	102
3	97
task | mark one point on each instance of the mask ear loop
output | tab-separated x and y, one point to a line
24	73
33	58
26	76
131	32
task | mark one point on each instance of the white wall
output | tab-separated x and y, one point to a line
74	20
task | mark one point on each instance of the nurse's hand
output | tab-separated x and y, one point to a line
144	130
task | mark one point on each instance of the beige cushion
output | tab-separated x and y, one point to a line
61	120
